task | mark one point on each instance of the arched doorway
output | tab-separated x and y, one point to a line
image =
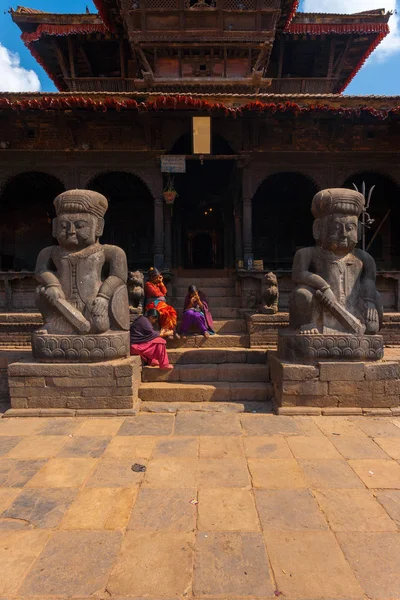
382	239
282	219
26	205
129	221
202	219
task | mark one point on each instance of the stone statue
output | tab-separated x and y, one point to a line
82	291
335	281
269	294
136	292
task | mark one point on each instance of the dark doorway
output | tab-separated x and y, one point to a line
129	221
27	209
282	219
203	224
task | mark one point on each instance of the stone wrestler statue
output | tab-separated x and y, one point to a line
335	281
82	284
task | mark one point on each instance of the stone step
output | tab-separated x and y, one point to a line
217	313
230	326
213	407
205	392
217	356
241	340
208	372
203	282
210	292
228	302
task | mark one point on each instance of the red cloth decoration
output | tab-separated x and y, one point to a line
49	29
293	10
58	82
367	54
69	102
338	28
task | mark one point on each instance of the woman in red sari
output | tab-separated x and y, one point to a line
156	292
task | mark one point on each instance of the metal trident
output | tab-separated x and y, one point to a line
366	220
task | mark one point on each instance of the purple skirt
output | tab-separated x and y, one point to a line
193	322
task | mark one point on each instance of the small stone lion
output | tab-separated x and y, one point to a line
136	292
269	294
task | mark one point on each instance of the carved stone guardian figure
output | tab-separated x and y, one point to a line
82	291
269	294
136	292
335	297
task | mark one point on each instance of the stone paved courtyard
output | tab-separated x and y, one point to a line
229	506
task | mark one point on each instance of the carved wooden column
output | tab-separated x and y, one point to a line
238	233
159	232
168	236
247	190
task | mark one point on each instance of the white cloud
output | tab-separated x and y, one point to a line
13	77
390	44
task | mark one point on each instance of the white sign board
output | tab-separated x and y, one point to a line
173	164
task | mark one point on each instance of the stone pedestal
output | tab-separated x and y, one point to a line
321	386
109	386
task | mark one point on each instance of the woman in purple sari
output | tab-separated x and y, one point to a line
196	314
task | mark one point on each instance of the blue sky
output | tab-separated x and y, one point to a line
21	72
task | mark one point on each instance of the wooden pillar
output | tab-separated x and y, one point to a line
168	236
238	233
247	214
159	232
71	61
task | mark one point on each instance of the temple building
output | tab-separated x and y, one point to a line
189	195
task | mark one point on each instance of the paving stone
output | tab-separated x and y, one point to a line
231	564
74	563
289	510
269	425
207	424
81	446
375	559
164	510
329	474
100	508
391	445
37	509
110	473
310	564
171	473
354	447
378	427
7	496
102	427
275	474
18	551
64	426
338	426
63	472
227	509
130	447
20	426
156	563
390	500
312	448
16	473
307	425
178	447
148	425
266	447
223	472
38	446
214	446
365	514
384	474
7	443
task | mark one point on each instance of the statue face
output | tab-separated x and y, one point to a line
76	231
341	233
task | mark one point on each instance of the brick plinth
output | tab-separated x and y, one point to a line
329	384
101	386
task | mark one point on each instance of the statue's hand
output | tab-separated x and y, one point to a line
371	313
100	319
52	294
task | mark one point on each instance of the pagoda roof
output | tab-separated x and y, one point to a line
235	105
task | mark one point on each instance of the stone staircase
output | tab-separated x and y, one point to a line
220	373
